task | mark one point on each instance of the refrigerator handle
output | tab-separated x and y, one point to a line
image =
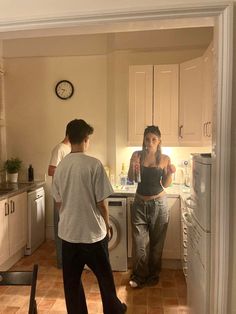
186	217
187	202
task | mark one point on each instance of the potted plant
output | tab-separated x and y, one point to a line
12	167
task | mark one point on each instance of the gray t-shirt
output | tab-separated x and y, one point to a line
80	181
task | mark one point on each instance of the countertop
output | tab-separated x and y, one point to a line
175	190
8	189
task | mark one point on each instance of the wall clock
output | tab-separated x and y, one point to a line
64	89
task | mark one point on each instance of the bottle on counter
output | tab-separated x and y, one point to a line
30	173
123	175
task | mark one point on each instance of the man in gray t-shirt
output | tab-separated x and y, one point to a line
80	187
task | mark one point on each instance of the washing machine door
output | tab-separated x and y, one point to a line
115	233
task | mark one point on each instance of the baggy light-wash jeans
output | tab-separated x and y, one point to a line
149	225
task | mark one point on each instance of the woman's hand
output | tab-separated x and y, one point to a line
171	169
135	159
134	167
167	175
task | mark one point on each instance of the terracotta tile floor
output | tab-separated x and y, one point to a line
168	297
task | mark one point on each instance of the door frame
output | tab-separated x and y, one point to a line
137	19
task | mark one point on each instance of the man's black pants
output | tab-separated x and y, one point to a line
95	255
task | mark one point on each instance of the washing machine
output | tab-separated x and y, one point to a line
118	241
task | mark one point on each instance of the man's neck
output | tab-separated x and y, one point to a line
78	148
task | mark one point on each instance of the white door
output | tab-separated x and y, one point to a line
207	95
172	246
17	222
4	237
190	106
166	100
140	102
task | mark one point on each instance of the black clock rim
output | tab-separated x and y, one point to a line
72	89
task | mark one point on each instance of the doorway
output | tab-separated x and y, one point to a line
219	17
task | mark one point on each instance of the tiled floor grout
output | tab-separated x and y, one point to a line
167	297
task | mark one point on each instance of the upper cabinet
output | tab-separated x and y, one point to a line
166	100
207	95
153	94
177	98
190	108
140	102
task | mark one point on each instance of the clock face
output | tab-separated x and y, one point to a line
64	89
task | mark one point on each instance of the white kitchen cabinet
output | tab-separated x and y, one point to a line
17	222
4	237
191	102
140	102
166	101
153	99
207	95
13	225
172	246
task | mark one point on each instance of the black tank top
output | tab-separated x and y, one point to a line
150	181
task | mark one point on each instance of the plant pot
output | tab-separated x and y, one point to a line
12	177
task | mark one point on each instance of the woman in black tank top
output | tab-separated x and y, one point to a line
152	170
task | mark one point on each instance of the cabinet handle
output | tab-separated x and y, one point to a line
6	209
205	129
185	271
12	205
208	129
180	131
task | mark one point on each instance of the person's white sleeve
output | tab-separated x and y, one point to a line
102	185
55	157
55	190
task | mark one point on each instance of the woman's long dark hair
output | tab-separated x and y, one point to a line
154	130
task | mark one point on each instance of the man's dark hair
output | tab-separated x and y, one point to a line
77	130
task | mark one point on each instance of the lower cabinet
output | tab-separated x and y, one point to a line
13	219
172	246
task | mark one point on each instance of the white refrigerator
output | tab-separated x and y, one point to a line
198	220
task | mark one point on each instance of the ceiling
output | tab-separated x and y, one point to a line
101	43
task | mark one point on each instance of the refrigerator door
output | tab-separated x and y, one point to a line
198	279
201	190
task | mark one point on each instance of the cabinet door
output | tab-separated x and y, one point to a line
140	102
172	246
166	99
4	236
17	222
190	106
207	95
